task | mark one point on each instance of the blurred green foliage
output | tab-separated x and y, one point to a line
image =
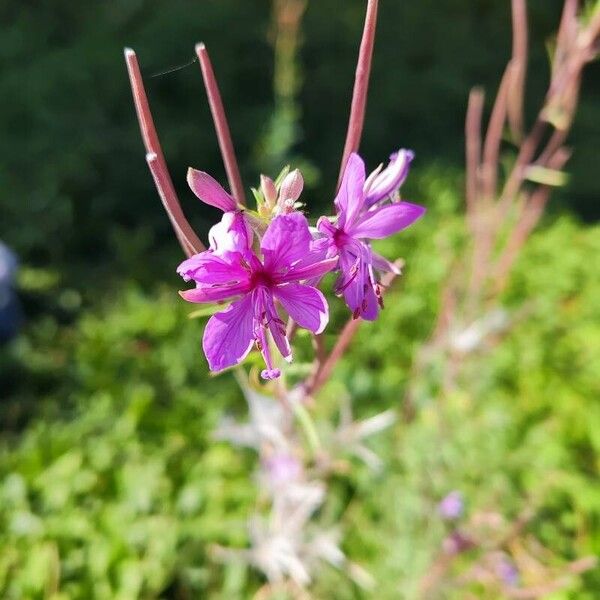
110	485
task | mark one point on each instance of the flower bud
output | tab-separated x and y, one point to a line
269	191
291	187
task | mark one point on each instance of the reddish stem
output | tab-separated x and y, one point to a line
164	189
221	125
566	33
361	86
516	91
324	368
189	241
473	149
493	137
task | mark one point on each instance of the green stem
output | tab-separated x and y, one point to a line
308	426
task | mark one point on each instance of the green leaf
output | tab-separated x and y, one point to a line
281	176
546	176
258	197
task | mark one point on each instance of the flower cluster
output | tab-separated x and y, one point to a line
269	261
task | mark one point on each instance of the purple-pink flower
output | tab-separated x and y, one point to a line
451	506
363	213
232	271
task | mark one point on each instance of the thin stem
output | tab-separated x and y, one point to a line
291	329
493	137
526	154
308	426
566	33
324	368
555	141
318	343
221	126
164	187
361	86
319	347
189	241
516	91
476	214
473	148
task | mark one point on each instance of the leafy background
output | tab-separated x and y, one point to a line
110	486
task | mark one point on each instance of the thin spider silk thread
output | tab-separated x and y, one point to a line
174	69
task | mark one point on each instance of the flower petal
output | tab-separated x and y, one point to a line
217	276
228	336
381	263
357	281
209	190
387	220
276	326
351	281
286	241
305	304
326	227
231	234
212	268
361	298
350	199
370	303
266	319
307	270
390	179
208	293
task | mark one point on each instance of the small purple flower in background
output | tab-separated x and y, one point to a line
362	214
283	469
507	571
451	506
234	271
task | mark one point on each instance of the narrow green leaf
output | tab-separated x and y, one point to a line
281	176
546	176
258	197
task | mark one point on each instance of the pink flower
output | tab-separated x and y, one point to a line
452	505
363	214
231	270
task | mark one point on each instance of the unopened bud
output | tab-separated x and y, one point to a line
291	186
269	191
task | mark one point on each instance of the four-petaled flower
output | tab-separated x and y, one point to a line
364	214
232	270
